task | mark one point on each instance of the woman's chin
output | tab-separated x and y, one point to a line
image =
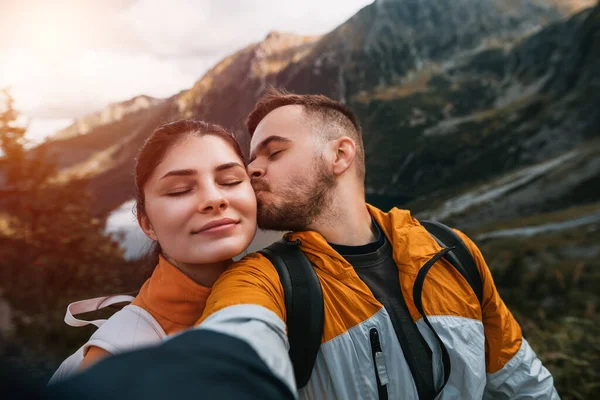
218	253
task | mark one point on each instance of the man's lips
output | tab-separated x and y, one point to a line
217	225
259	186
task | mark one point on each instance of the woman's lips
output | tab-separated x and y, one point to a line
219	228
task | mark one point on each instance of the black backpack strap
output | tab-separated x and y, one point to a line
416	351
456	252
417	297
304	305
460	257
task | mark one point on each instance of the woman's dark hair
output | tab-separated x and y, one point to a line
153	152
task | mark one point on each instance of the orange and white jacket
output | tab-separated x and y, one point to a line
489	356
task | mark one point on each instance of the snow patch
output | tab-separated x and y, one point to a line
529	231
499	187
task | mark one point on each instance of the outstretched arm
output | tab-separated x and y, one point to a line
247	303
196	364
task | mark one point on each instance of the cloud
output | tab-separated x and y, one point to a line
72	88
67	26
205	27
67	58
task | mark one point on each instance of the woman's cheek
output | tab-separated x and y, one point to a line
245	201
176	213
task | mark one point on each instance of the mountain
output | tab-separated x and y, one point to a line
451	96
537	141
435	84
111	113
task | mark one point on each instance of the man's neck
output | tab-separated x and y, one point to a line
351	225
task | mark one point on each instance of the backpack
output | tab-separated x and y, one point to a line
305	313
128	329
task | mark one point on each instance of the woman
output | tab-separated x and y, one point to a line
195	201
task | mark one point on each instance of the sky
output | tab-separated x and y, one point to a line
63	59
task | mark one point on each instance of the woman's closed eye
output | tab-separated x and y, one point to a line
178	192
232	182
231	177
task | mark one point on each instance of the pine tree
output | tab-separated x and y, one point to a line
53	250
24	170
12	140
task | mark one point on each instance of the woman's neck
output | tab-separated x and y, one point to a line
203	274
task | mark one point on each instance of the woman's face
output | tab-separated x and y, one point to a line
199	203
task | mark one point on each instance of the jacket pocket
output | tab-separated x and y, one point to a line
379	364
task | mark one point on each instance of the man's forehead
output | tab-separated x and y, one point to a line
283	121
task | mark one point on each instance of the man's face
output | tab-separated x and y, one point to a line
289	174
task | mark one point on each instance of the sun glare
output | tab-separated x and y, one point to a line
49	32
51	38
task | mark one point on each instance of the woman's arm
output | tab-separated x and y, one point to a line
93	355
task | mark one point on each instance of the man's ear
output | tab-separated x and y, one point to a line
345	151
146	226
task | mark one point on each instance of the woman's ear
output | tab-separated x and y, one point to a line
345	151
146	226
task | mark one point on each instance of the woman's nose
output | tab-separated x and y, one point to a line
213	200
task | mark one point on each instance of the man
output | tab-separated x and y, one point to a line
307	168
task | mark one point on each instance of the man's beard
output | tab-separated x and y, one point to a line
298	204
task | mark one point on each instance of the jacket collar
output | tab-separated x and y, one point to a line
172	297
394	225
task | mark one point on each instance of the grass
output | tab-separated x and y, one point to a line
552	292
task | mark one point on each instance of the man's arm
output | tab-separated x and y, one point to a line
513	369
193	365
247	303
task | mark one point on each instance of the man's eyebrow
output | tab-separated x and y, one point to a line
230	165
180	172
262	145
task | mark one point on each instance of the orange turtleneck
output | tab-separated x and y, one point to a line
174	300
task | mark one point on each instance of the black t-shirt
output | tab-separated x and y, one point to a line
375	265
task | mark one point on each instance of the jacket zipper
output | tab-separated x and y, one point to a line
378	364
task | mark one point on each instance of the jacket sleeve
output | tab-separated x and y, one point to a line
513	369
247	303
195	364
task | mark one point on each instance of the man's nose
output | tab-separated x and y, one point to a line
255	170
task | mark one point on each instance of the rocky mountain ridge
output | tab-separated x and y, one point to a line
450	95
111	113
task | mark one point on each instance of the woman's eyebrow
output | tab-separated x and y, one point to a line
193	172
230	165
180	172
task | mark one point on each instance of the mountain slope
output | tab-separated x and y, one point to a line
450	95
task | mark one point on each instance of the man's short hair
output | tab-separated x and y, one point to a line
329	118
